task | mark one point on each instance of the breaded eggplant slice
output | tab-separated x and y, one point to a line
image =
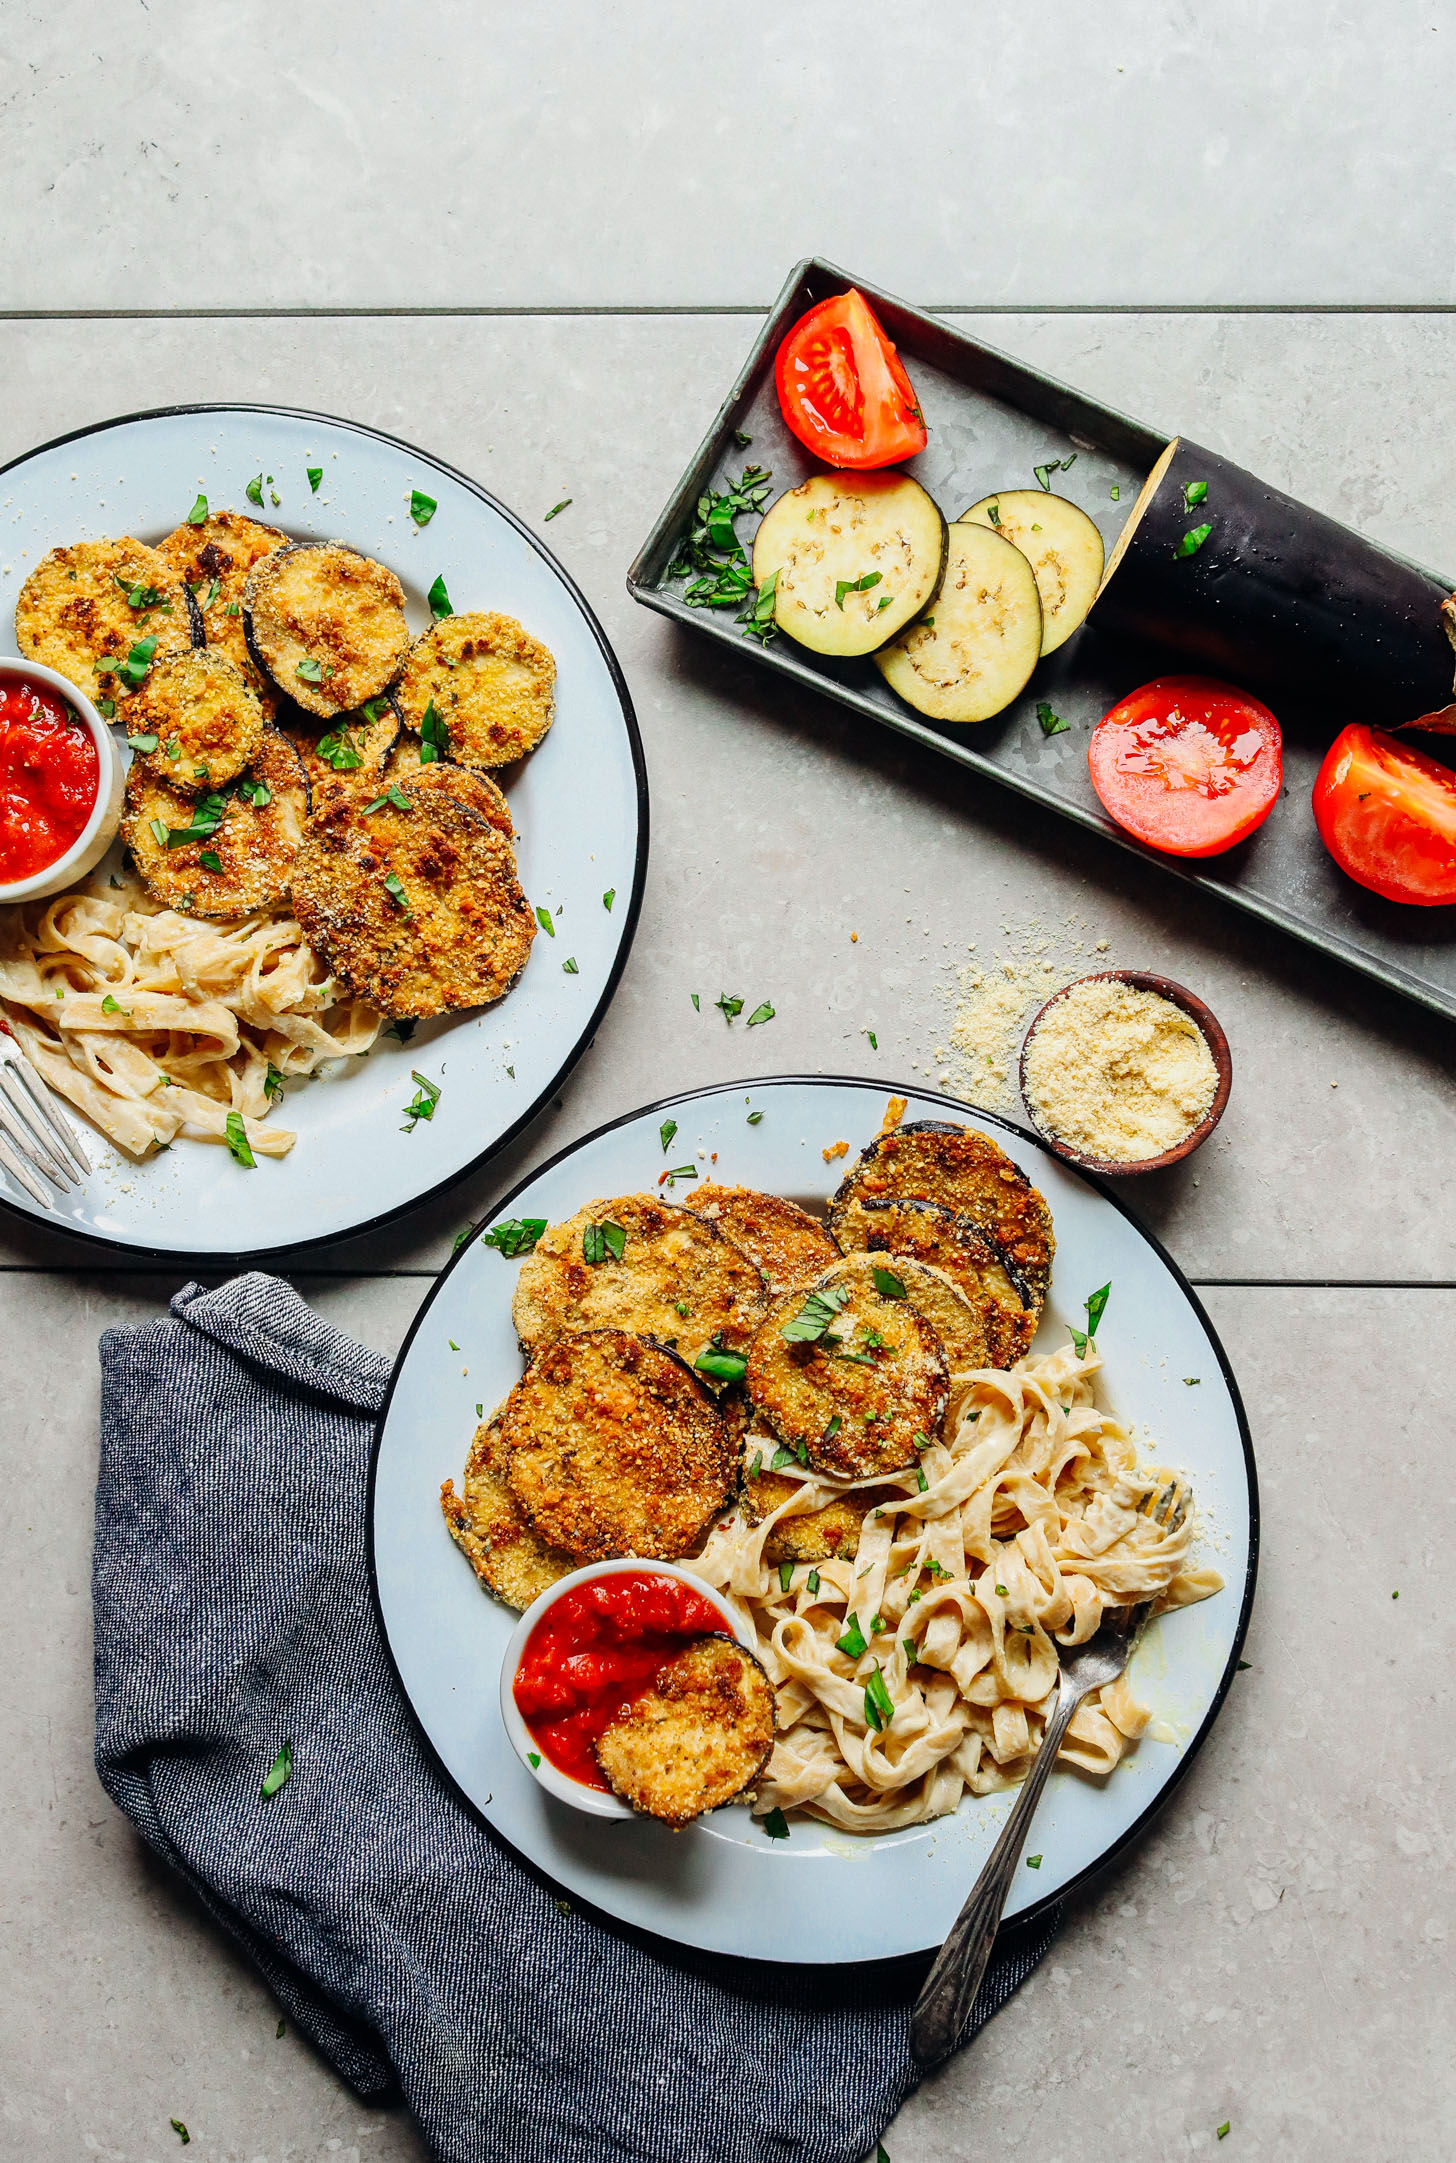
242	863
355	747
478	790
858	1397
819	1535
492	685
196	723
419	910
931	1161
697	1737
960	1326
928	1232
325	624
510	1559
783	1241
93	602
213	561
677	1280
615	1448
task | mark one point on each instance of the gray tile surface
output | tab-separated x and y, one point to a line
775	819
168	155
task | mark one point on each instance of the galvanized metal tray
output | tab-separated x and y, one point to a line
991	421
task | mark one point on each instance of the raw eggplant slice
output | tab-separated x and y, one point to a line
853	557
974	652
1062	546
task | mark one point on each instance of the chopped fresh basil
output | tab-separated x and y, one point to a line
143	743
1242	1665
106	707
776	1825
210	860
172	749
568	967
434	736
937	1570
422	507
835	1423
922	1484
160	831
1116	493
1001	1592
754	1117
721	1366
811	1583
234	608
694	997
181	2131
402	1031
534	1758
393	886
853	1641
1052	723
887	1284
760	1013
756	1466
874	1040
1193	494
783	1456
556	510
315	475
212	593
681	1171
713	558
1192	1381
1054	465
886	601
921	1441
993	512
600	1240
543	918
240	1149
310	670
665	1134
758	615
608	898
727	1005
254	490
1222	2131
427	1096
786	1575
1096	1306
1192	540
816	1317
111	1006
842	586
272	1083
254	792
439	599
1033	1862
742	438
395	795
514	1235
135	666
879	1705
680	1306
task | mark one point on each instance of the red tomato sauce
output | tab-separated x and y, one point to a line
50	776
595	1650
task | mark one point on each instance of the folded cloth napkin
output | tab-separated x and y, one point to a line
416	1949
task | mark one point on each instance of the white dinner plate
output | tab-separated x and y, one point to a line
579	802
724	1885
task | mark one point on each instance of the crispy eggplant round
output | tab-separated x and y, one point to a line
491	685
213	560
958	1324
419	910
241	863
862	1394
952	1243
676	1279
786	1244
821	1535
404	765
354	747
206	720
698	1736
91	603
966	1171
485	1523
325	624
614	1448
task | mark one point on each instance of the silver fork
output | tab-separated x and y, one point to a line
33	1132
944	2005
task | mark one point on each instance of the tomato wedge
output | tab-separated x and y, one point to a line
843	387
1387	815
1187	764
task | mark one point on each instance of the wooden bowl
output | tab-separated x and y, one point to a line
1189	1004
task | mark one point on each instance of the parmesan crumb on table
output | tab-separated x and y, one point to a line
835	1149
991	1003
1118	1073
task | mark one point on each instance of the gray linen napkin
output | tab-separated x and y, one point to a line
416	1949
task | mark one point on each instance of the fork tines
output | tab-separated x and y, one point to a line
34	1134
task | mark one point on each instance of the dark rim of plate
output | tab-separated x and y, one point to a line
1110	1855
224	1258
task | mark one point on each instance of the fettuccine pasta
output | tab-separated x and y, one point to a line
156	1024
1033	1519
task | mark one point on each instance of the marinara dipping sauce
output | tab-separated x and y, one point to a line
50	776
594	1650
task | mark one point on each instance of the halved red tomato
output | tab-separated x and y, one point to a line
1188	764
843	387
1387	815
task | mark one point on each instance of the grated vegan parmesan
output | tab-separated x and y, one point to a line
1118	1073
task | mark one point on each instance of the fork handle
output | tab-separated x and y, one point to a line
944	2005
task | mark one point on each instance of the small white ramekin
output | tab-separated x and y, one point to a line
596	1802
97	835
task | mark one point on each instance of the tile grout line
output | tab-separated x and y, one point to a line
629	310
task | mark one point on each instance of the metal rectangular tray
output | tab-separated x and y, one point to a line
991	420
